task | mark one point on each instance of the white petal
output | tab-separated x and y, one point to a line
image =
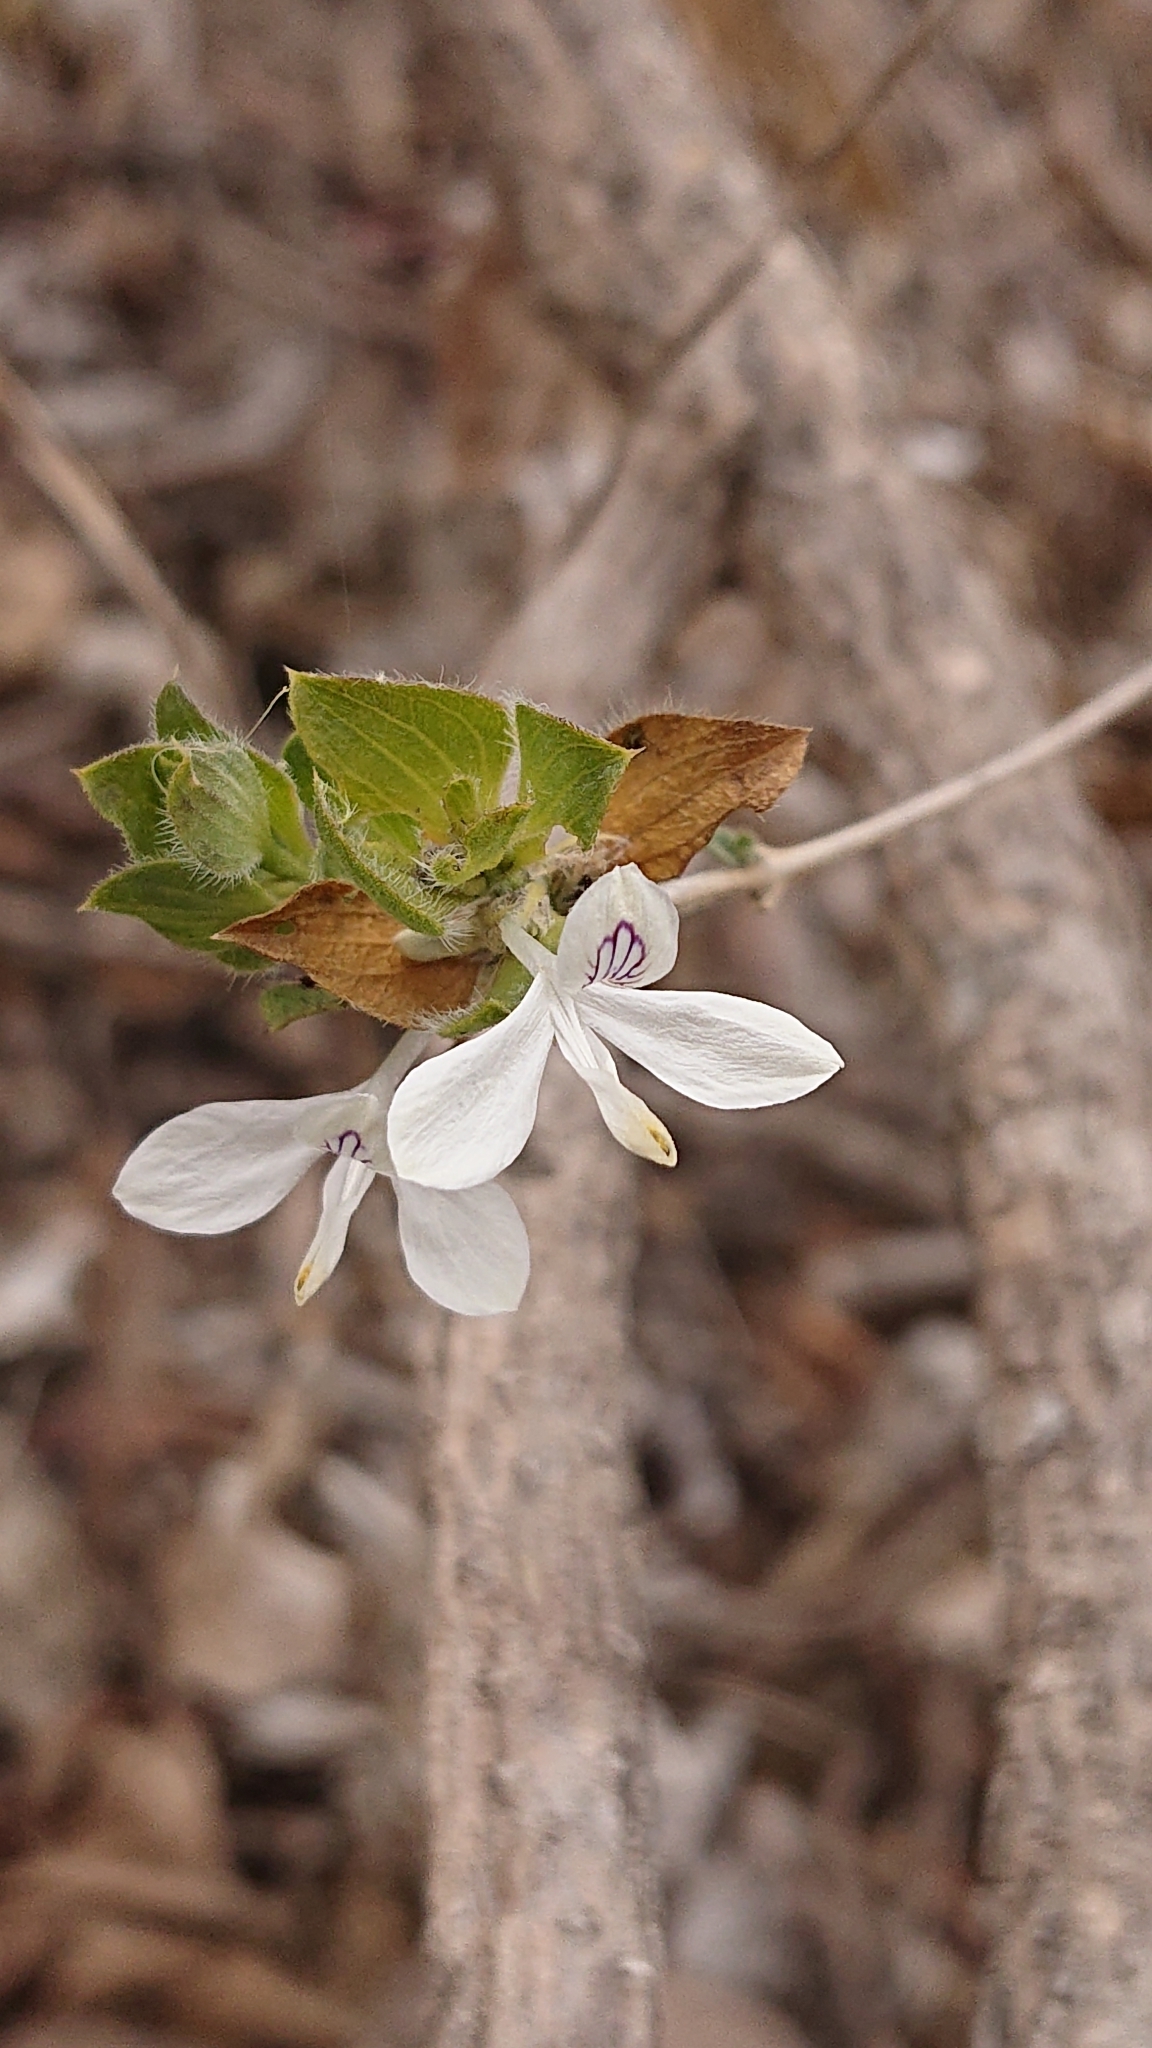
527	950
345	1185
630	1121
723	1050
216	1167
391	1071
467	1249
462	1118
623	932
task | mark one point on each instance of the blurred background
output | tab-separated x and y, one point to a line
256	266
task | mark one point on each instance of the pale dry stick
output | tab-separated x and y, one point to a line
91	511
773	865
542	1906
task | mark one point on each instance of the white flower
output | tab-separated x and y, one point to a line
462	1118
228	1163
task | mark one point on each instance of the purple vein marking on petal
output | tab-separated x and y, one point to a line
348	1145
620	956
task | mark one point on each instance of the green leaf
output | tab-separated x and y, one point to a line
294	756
508	986
481	846
124	789
176	717
291	852
166	896
285	1002
397	747
218	809
490	837
566	774
461	803
735	847
373	862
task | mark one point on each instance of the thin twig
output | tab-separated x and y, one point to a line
922	32
774	865
89	508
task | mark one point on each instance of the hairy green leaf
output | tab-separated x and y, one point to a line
566	774
480	847
461	803
164	895
285	1002
218	809
124	789
290	851
176	717
294	758
372	860
397	747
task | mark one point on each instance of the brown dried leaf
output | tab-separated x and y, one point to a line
345	943
688	776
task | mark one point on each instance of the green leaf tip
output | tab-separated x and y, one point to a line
176	717
163	894
566	774
285	1002
125	789
218	809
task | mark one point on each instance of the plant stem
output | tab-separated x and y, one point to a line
775	865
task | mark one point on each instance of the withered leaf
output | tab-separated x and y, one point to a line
345	943
688	776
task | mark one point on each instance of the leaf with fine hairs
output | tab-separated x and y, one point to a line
346	943
184	907
567	775
124	789
397	746
687	775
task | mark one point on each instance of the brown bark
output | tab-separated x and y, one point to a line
639	206
542	1904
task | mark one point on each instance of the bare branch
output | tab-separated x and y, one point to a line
543	1900
923	31
774	865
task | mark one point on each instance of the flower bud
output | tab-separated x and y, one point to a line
218	809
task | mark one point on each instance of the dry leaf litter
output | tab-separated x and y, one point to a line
254	265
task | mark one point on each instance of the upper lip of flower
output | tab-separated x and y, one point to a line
227	1164
461	1119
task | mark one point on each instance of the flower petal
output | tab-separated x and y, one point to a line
216	1167
726	1051
345	1185
527	950
467	1249
461	1118
622	933
630	1121
392	1069
350	1126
